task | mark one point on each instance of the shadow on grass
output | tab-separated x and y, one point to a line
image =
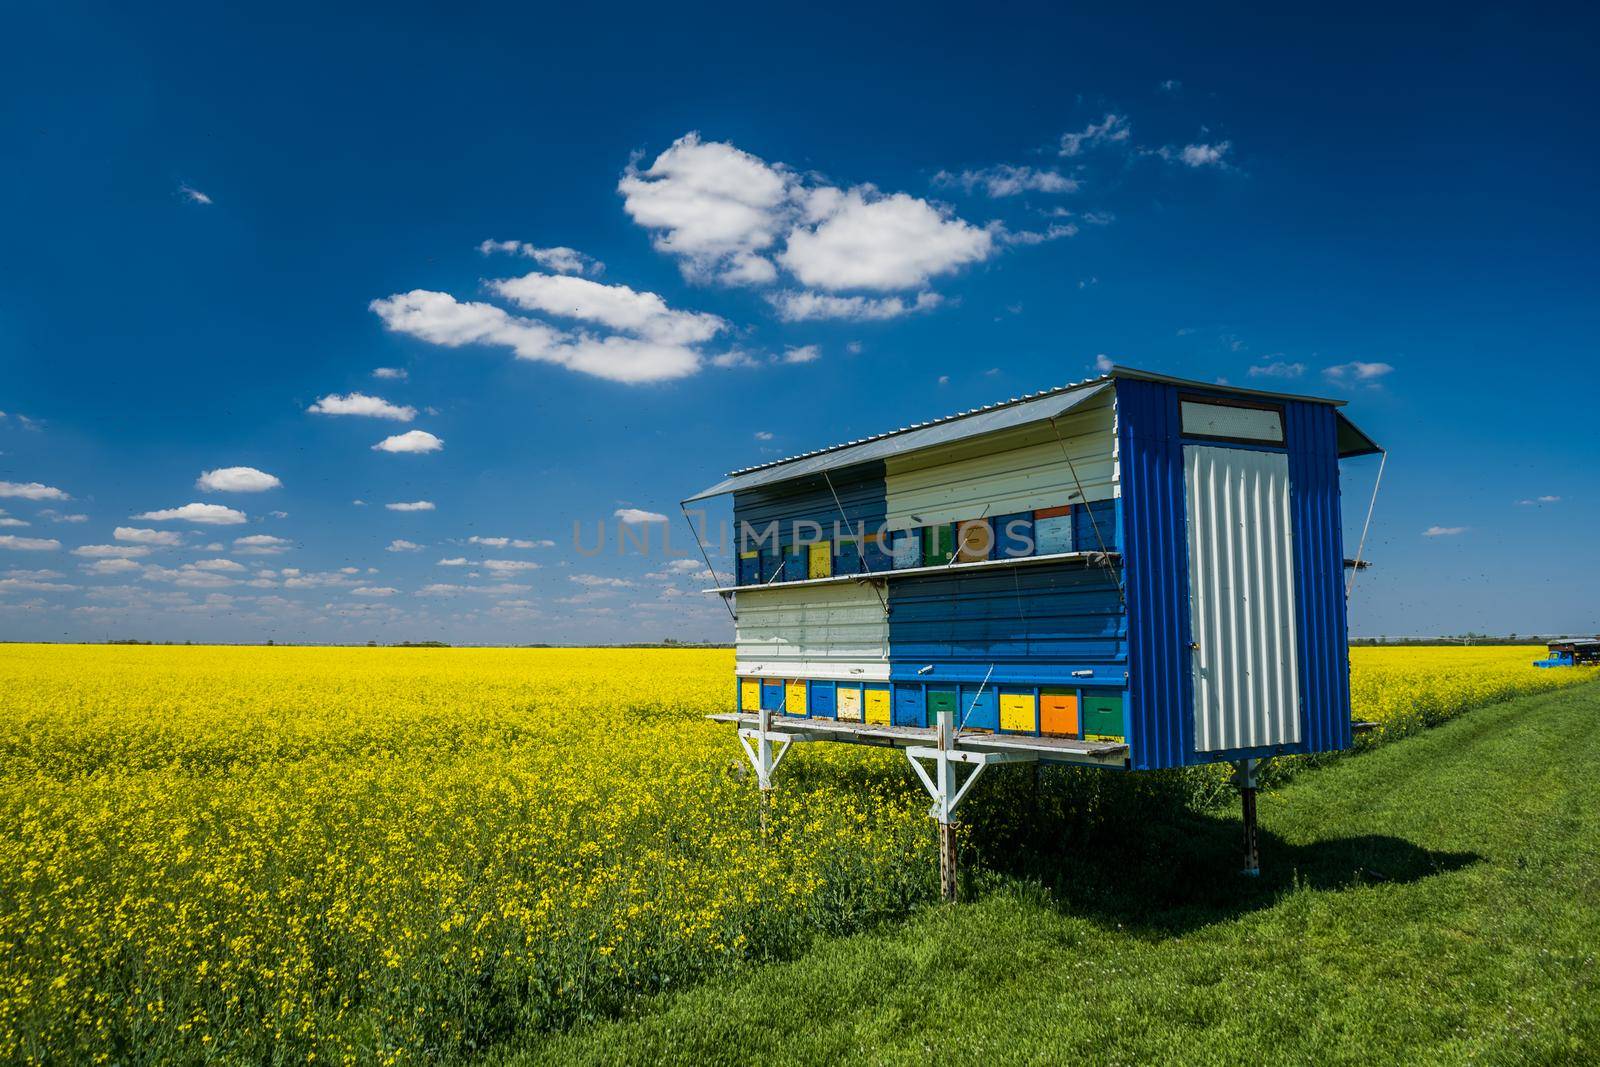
1135	853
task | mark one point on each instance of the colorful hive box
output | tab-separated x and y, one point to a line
821	561
876	551
1013	536
794	563
974	541
1102	715
822	700
749	568
848	700
909	706
907	550
875	705
943	700
794	702
1018	712
772	695
980	708
1058	712
938	545
1052	530
749	694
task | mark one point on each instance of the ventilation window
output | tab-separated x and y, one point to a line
1233	420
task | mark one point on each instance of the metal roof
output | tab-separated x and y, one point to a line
1008	414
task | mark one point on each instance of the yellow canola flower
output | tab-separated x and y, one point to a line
393	855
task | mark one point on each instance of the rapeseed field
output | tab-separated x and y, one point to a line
395	854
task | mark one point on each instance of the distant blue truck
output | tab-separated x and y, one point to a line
1571	652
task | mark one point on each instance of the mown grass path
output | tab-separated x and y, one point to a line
1434	900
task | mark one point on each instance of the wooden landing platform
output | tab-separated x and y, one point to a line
1056	749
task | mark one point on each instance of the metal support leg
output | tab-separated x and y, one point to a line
1246	780
947	830
947	794
764	755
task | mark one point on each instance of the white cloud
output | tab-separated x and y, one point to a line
374	590
1171	85
7	520
1109	130
400	544
1540	500
559	258
221	566
189	576
1277	369
55	516
1053	232
1007	180
944	379
724	213
261	545
441	319
413	505
1203	155
1443	531
458	561
763	435
513	542
715	207
616	307
808	306
865	241
1104	363
112	551
635	517
595	581
362	404
412	441
203	514
237	480
191	194
32	491
390	374
140	536
802	354
508	566
29	544
33	585
1357	371
110	566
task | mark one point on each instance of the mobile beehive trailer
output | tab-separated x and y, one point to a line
1571	652
1134	572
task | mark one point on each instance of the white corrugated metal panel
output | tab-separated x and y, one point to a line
814	631
1002	474
1022	411
1241	598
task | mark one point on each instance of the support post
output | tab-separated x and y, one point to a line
1246	779
947	830
764	762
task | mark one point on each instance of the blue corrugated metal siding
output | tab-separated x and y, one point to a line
1033	625
1323	635
861	496
1156	566
1153	517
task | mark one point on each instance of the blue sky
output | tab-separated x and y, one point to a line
735	235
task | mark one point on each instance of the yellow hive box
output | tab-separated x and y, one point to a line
794	698
1017	713
877	701
849	704
749	694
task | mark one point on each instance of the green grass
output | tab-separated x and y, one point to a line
1437	900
